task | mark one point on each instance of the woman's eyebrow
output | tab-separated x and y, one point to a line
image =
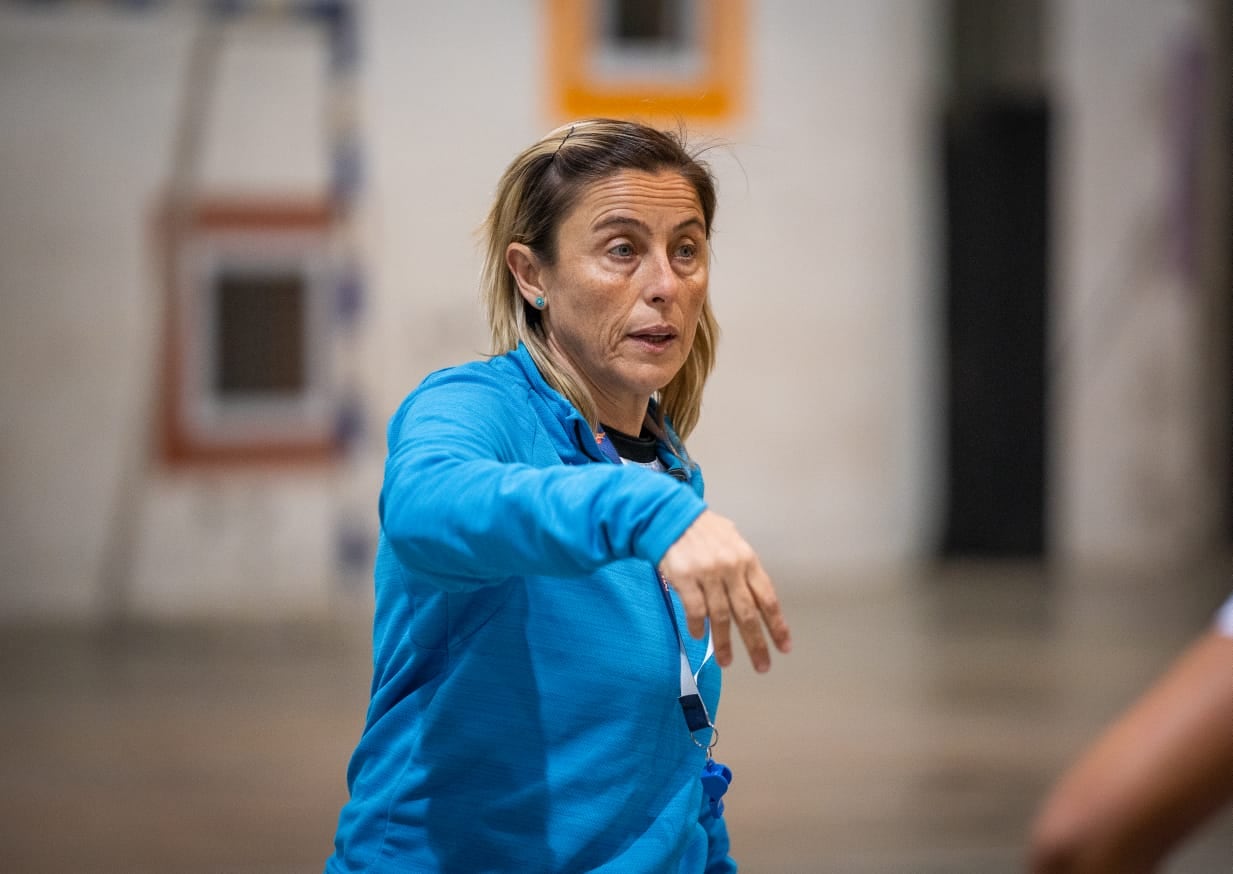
618	221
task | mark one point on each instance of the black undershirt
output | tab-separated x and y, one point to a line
641	449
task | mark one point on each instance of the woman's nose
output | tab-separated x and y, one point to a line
661	280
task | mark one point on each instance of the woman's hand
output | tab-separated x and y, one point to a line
719	577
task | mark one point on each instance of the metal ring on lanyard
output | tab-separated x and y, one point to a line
707	747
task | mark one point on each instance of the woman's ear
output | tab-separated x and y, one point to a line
527	272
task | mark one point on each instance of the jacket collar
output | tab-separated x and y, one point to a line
571	433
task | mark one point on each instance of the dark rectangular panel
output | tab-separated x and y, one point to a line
996	169
259	341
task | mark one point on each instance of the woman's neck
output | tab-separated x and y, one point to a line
628	420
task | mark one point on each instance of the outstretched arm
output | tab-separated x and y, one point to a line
462	502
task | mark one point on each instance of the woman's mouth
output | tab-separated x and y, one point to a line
654	338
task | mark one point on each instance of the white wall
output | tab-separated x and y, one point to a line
818	428
85	101
1130	486
89	97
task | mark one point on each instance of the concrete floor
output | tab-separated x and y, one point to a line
914	729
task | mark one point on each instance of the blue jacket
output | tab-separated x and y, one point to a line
524	712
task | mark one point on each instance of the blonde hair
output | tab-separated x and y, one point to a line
535	193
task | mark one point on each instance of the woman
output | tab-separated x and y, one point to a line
531	706
1157	773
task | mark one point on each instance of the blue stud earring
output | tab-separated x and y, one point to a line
539	302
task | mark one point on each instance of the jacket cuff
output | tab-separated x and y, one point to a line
668	524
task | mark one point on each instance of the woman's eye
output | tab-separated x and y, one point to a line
622	250
687	250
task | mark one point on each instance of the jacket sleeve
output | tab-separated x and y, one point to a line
461	502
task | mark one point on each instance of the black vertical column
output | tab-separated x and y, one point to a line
996	160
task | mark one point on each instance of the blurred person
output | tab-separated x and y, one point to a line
535	705
1158	772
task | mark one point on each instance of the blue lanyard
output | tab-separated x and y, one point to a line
692	705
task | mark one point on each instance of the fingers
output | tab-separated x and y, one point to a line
693	599
729	598
749	623
721	634
718	577
771	613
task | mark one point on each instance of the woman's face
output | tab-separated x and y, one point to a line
626	291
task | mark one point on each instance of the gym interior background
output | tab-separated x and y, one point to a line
974	401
